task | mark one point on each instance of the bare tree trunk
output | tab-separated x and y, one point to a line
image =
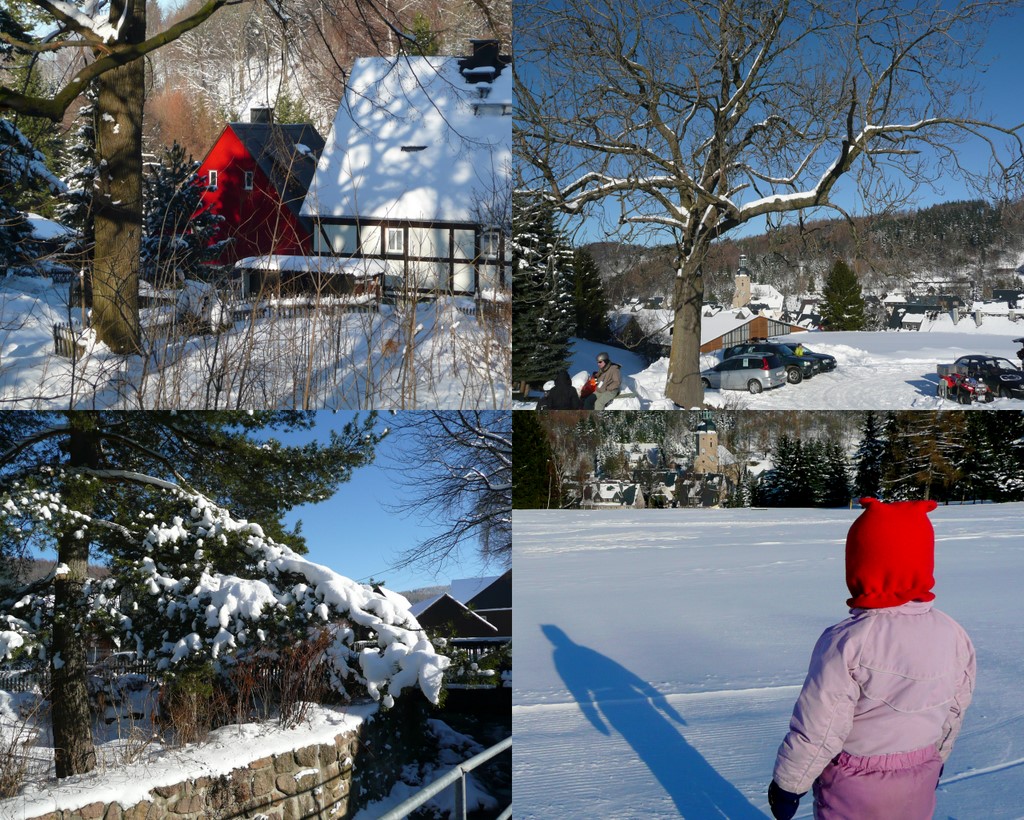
72	728
118	208
684	387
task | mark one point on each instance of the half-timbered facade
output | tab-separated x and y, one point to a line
415	173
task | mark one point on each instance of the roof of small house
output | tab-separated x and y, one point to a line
286	153
466	589
418	138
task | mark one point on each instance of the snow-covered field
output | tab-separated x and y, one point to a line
659	653
434	354
884	370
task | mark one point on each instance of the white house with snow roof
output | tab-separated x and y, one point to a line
414	180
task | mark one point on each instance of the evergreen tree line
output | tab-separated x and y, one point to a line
948	457
951	456
558	291
812	473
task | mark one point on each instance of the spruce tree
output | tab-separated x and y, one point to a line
835	490
589	299
868	458
543	317
842	306
534	484
22	167
178	236
75	207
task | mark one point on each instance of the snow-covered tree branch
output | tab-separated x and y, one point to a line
693	119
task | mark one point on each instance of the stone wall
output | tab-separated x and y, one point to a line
325	780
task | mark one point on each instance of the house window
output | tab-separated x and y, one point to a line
396	240
490	244
247	183
213	180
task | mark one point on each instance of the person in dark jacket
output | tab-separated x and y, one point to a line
562	396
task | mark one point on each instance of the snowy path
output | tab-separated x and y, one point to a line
658	655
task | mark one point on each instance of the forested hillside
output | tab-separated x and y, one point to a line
293	56
965	247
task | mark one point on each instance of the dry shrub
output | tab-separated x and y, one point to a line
17	736
303	678
193	703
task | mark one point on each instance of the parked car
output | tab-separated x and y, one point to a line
1002	376
826	362
755	372
798	368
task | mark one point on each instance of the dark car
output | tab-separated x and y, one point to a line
826	363
1002	376
798	368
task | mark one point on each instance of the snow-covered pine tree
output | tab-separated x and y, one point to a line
543	317
868	458
588	298
95	484
835	488
842	306
21	166
993	464
178	235
75	206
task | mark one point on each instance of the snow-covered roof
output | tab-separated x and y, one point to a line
466	589
320	264
767	295
711	327
416	138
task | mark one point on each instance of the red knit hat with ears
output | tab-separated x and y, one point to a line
890	554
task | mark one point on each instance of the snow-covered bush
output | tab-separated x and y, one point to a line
201	588
200	302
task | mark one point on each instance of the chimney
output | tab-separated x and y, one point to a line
485	63
264	114
485	52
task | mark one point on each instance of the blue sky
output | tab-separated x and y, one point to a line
356	535
1000	66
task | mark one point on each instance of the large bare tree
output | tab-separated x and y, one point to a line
692	118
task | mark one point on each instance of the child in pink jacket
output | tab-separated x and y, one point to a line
886	689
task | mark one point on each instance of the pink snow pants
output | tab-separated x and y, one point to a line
882	787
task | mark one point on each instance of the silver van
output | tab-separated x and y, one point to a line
754	372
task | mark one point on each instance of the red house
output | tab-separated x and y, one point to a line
258	173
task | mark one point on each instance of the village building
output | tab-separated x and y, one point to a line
476	610
257	174
413	185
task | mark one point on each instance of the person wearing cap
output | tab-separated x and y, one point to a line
887	688
560	394
609	383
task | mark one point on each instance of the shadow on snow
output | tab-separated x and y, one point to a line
614	699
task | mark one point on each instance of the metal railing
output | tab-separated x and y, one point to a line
456	776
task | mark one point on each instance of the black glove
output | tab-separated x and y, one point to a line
783	804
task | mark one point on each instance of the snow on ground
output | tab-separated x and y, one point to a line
659	653
883	370
129	770
336	360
